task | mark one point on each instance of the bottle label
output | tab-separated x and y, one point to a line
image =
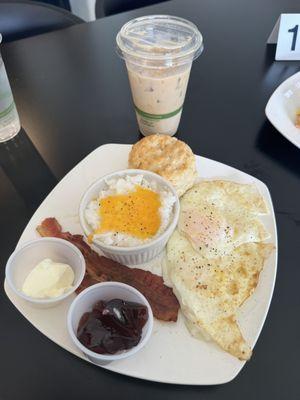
6	98
5	112
9	119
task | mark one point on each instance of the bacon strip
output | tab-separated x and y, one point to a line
163	302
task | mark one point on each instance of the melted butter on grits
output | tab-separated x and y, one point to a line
136	213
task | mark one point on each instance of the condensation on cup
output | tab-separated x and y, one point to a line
159	51
9	118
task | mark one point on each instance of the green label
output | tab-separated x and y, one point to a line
157	116
7	110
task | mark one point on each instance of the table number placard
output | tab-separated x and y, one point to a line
286	34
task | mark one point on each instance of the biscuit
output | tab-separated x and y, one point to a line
167	156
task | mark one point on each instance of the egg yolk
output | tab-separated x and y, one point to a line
204	230
135	213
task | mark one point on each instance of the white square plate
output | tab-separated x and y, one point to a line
282	107
172	354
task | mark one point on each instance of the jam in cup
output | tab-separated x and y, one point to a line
110	306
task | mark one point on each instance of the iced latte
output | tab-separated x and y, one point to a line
158	52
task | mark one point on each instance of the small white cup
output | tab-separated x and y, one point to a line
26	257
134	254
106	291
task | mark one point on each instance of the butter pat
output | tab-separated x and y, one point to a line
48	279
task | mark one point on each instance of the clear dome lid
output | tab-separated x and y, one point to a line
159	40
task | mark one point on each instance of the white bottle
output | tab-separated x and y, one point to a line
9	118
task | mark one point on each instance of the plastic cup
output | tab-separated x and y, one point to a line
106	291
159	51
27	256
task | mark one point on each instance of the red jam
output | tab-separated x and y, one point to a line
112	326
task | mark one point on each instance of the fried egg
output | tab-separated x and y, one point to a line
218	216
214	259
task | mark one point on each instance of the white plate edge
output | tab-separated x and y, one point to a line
268	109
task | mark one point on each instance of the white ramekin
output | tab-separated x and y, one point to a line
106	291
137	254
26	257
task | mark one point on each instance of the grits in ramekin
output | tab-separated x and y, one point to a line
129	212
131	191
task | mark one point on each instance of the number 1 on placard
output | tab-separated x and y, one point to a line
294	31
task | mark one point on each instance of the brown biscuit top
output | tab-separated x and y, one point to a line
165	155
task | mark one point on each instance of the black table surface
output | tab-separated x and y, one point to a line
72	94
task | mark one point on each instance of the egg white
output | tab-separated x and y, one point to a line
214	258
